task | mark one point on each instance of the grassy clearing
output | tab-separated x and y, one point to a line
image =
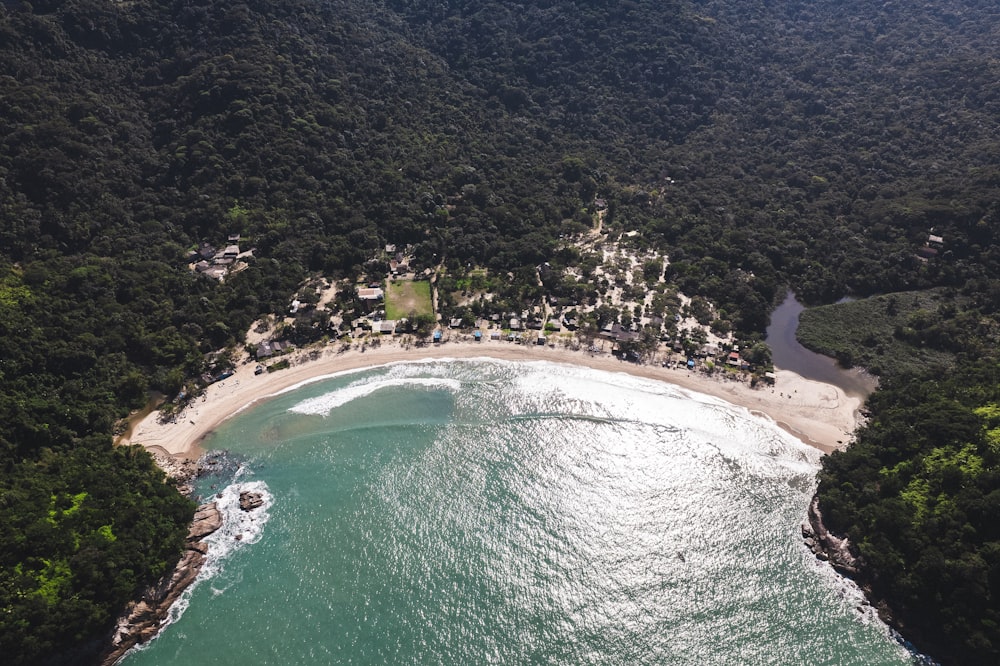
869	332
405	298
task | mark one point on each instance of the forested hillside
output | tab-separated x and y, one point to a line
918	494
758	145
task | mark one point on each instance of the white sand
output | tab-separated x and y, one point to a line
819	414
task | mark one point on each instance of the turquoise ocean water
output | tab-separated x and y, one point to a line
485	512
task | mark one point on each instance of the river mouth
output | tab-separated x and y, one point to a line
788	354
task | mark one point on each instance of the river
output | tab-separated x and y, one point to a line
788	354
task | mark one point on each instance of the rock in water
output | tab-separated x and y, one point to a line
250	500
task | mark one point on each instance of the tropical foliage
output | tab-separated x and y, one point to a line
918	494
754	144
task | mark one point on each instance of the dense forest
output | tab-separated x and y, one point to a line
918	493
758	145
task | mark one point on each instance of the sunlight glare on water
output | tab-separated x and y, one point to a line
512	513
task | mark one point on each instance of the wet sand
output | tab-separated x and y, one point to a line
821	415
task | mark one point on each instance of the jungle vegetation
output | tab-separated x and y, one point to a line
917	493
906	332
758	145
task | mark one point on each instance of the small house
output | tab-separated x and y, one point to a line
437	336
619	333
927	252
371	294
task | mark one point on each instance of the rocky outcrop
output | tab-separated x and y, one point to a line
828	546
142	619
207	519
181	470
250	500
836	550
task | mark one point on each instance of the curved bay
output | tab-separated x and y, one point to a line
517	513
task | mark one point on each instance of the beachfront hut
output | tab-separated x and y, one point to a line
478	335
437	336
540	341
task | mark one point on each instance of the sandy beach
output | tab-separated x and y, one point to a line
821	415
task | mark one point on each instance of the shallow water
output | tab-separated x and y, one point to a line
518	513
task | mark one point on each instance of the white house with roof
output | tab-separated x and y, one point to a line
371	294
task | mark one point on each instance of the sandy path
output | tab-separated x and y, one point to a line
820	414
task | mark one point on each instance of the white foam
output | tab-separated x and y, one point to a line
247	525
324	404
854	597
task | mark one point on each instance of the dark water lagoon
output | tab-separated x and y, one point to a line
788	354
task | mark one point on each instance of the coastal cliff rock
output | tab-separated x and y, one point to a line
142	620
828	546
207	519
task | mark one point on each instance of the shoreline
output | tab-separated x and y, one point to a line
821	415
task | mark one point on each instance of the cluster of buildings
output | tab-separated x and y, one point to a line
217	263
931	248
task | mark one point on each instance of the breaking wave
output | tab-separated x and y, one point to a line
324	404
239	529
